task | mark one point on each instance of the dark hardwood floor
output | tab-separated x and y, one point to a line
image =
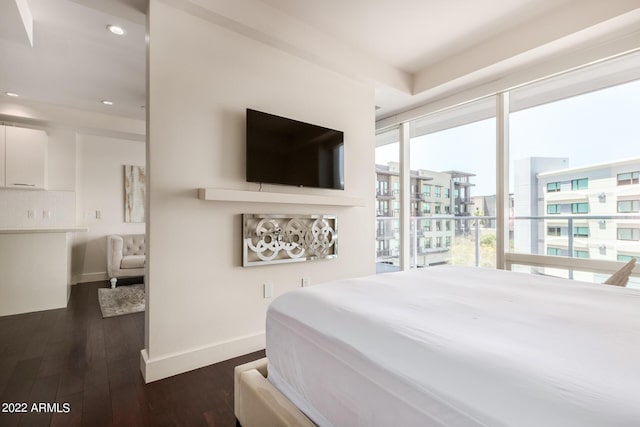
90	366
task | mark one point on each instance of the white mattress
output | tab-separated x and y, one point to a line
458	346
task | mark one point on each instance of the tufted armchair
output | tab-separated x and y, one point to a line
125	256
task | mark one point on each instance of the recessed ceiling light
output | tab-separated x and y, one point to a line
15	95
118	31
106	102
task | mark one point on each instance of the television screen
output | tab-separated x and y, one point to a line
289	152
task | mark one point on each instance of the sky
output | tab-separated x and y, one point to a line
592	128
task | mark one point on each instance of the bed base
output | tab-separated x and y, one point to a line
257	403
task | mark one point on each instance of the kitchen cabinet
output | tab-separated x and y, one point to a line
25	157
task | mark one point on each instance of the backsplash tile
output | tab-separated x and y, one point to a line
35	208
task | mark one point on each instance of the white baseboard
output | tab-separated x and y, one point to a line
178	363
88	277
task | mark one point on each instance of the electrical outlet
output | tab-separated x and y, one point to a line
306	282
267	289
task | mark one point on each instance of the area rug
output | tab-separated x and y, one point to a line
121	300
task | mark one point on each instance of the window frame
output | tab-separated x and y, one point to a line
575	208
513	104
634	206
633	231
553	187
557	208
634	178
576	184
577	229
557	229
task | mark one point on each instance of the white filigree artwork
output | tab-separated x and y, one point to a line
270	239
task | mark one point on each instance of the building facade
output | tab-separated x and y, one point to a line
595	197
436	198
592	205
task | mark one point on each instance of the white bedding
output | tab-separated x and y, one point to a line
458	346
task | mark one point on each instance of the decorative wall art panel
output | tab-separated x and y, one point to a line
273	239
134	193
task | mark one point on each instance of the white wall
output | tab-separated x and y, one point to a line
61	162
203	306
100	187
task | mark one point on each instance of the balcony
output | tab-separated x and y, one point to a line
385	194
385	235
474	243
463	201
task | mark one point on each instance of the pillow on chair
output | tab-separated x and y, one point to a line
621	277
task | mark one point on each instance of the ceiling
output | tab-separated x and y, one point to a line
412	34
75	61
411	50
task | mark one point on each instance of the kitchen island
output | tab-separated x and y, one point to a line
35	268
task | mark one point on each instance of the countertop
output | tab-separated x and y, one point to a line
25	230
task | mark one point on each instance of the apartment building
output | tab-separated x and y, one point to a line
436	197
597	198
586	210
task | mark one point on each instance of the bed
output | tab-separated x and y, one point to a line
447	346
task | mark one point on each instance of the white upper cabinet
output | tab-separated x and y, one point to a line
25	157
2	148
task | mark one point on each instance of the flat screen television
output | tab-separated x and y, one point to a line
289	152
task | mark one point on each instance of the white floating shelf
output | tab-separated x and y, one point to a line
222	195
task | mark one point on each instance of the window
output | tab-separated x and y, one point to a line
426	208
626	258
447	241
628	178
628	233
579	208
580	184
438	208
426	189
554	231
426	225
581	232
553	251
626	206
438	225
382	187
447	209
383	248
438	242
580	254
383	208
553	209
446	193
447	225
396	206
438	191
427	243
552	187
